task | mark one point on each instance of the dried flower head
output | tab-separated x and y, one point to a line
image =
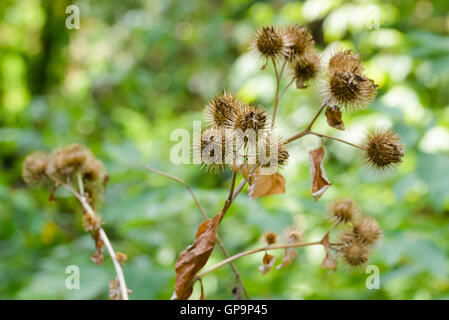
270	237
67	160
222	110
34	167
300	40
94	177
212	148
367	231
294	235
305	68
343	211
383	149
270	43
344	61
93	170
355	254
345	85
251	117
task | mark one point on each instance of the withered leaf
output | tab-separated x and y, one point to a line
91	222
121	257
114	290
194	257
268	262
329	261
264	185
290	254
333	116
320	183
203	296
97	257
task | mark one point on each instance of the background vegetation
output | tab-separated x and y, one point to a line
136	70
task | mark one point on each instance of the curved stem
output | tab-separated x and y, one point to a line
246	253
205	216
90	211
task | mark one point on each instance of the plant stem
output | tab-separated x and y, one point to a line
307	130
205	216
88	209
285	89
336	139
246	253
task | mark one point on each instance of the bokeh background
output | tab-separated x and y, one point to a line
136	70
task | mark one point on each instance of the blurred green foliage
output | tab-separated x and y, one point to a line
136	70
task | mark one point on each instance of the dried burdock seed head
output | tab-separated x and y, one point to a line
93	170
367	231
222	110
305	68
383	150
251	117
94	177
294	235
67	160
270	237
343	211
34	167
345	85
212	148
299	39
355	254
345	61
269	43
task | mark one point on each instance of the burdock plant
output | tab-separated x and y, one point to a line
240	137
256	147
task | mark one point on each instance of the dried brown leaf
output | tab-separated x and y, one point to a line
114	290
91	222
97	257
194	257
333	116
121	257
268	263
329	261
320	183
202	296
290	254
264	185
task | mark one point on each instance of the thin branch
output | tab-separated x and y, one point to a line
205	216
285	89
337	139
282	70
88	209
307	130
203	212
246	253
